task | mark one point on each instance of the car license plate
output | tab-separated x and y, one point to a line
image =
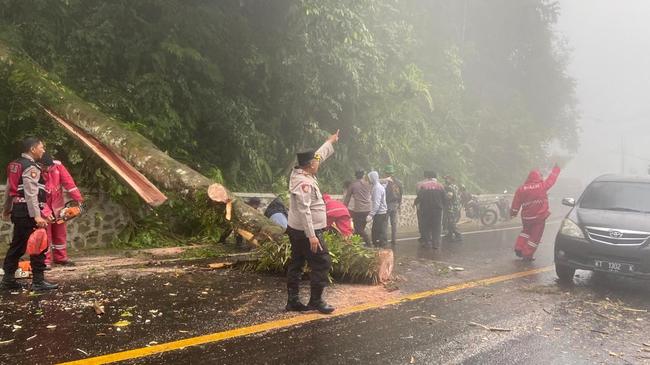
614	266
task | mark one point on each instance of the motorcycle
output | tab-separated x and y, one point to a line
482	211
503	204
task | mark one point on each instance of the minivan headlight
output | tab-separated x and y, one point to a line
570	229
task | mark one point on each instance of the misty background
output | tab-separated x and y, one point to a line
610	58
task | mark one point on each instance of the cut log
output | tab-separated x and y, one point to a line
385	262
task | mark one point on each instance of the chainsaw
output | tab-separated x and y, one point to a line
72	209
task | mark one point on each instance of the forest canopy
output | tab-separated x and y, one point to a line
470	88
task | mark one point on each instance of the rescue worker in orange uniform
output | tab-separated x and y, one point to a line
532	199
58	181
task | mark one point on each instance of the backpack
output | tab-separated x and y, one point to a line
393	193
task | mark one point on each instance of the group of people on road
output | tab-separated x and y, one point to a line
375	200
35	199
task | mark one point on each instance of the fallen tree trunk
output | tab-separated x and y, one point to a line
169	174
66	108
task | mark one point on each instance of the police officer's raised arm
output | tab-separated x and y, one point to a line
327	149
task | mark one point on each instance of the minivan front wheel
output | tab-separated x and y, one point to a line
564	272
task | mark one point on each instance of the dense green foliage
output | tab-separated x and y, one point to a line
233	88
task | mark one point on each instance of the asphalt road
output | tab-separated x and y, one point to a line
526	320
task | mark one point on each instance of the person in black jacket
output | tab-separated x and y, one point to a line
431	201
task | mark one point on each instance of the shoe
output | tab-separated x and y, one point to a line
9	283
39	283
320	306
518	253
317	303
65	263
293	300
295	306
528	259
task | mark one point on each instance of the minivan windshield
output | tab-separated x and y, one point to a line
617	196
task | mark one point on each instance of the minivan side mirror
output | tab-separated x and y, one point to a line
569	202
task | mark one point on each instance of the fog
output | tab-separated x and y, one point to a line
610	61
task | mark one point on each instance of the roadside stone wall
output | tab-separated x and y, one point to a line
102	221
407	219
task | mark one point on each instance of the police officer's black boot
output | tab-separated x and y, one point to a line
39	283
293	303
9	282
316	301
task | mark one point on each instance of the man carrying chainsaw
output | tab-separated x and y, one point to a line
25	200
58	181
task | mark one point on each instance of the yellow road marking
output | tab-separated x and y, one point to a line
288	322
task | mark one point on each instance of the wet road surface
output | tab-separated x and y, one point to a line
527	320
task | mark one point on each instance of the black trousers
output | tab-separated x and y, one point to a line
379	225
393	217
23	227
319	262
359	220
431	225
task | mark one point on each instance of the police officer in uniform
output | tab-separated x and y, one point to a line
24	198
307	220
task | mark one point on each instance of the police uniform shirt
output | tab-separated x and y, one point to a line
307	210
30	176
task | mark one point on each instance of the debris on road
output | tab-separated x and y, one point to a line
491	329
122	323
99	309
455	268
220	265
83	352
6	342
601	332
430	318
51	327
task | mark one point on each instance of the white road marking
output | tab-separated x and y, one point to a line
476	232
